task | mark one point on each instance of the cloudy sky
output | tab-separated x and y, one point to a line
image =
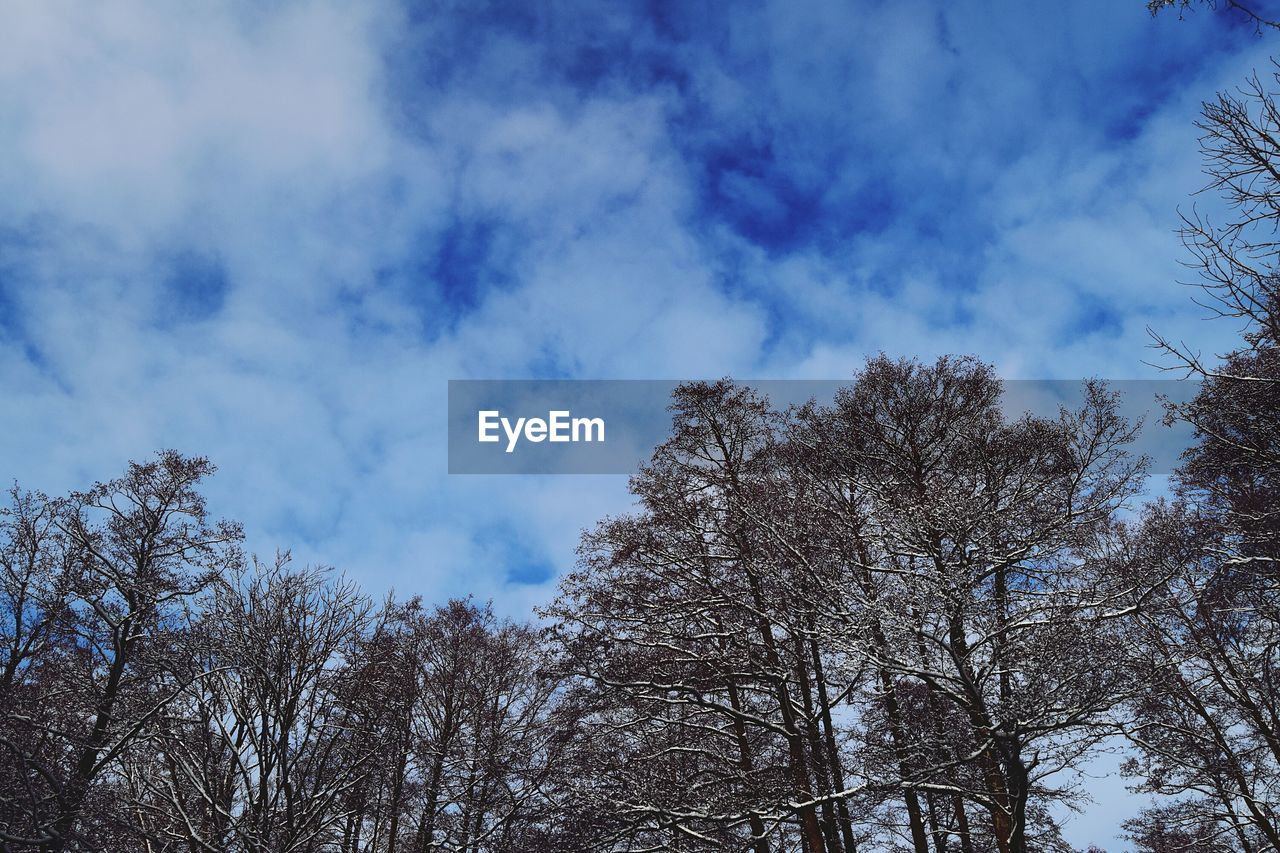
269	233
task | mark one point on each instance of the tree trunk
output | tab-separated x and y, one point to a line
759	843
832	749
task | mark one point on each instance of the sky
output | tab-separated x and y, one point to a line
268	233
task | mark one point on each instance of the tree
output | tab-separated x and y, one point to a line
159	692
39	646
481	744
909	552
1245	10
1208	728
263	743
458	704
978	549
687	630
94	587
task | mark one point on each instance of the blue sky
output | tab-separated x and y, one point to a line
269	233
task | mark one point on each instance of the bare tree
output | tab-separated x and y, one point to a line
909	554
688	627
263	745
38	639
1235	261
159	693
1245	10
459	703
977	549
125	556
1207	728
